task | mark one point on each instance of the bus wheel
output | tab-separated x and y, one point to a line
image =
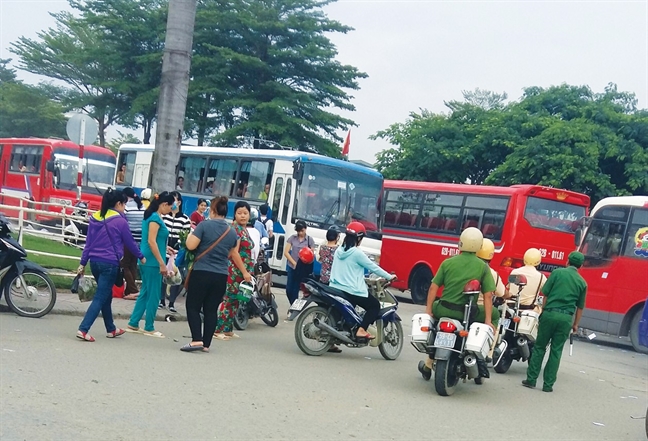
420	281
634	333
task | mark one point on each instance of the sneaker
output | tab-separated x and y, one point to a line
547	389
161	306
425	371
116	333
527	383
172	309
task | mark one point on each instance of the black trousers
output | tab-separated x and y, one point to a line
371	305
205	293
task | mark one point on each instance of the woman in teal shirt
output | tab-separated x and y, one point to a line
154	246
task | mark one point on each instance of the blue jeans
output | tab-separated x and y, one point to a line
104	274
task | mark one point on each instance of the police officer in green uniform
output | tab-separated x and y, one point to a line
453	274
564	294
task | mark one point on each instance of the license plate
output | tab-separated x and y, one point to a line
445	340
298	305
506	323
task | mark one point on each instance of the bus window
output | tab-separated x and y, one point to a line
485	213
191	170
441	212
220	177
254	180
402	208
126	159
603	240
552	215
636	240
276	199
26	159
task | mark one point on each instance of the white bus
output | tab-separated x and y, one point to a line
296	185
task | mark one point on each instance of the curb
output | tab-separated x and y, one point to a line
119	315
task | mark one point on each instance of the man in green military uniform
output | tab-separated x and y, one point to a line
564	294
453	274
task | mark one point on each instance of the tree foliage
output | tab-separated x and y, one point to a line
262	69
27	110
562	136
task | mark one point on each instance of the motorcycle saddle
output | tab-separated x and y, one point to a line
331	291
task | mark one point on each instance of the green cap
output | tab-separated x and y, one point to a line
576	259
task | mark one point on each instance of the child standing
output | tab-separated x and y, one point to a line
326	253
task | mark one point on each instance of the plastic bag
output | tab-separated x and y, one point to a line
174	277
86	289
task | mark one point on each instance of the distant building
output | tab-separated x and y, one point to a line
362	163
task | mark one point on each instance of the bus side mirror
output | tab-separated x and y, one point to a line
577	237
298	171
50	166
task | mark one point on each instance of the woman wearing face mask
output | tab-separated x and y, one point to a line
108	233
199	215
154	245
235	276
176	221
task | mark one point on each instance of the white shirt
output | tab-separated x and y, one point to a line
535	282
268	223
256	240
500	288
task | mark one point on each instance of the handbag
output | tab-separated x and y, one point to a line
211	247
119	278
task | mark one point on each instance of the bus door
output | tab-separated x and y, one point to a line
282	196
141	169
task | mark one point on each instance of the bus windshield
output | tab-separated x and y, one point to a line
333	196
97	175
552	215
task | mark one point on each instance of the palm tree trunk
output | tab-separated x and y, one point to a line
174	85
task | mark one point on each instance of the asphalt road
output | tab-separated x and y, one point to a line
53	386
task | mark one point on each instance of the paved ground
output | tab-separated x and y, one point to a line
261	386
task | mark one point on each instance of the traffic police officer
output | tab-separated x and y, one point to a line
535	279
486	254
453	274
564	293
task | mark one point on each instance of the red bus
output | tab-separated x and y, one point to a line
421	224
45	170
615	245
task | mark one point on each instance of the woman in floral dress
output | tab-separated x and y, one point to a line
229	306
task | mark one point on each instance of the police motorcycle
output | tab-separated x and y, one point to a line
456	346
518	330
259	300
28	290
327	317
76	231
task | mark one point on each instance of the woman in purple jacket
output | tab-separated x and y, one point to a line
108	232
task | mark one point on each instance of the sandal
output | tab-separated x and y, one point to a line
366	335
84	336
133	329
116	333
157	334
222	337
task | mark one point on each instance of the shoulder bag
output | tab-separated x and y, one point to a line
211	247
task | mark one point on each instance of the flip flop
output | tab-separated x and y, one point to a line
157	334
129	328
189	348
367	336
222	337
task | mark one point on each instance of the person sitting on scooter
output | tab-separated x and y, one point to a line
348	275
535	279
486	254
453	274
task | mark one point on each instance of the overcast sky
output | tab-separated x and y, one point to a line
420	54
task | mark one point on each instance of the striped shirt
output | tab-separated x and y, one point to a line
176	224
134	216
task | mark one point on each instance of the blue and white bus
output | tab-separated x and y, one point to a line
296	185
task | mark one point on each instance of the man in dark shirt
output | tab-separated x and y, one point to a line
564	295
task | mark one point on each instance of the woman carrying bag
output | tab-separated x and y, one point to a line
108	233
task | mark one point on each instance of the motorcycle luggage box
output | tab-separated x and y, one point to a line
421	329
528	325
480	339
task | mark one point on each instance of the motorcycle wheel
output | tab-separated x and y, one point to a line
39	298
392	341
306	332
504	364
241	318
445	376
271	318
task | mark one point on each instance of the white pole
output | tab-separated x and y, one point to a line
20	223
80	169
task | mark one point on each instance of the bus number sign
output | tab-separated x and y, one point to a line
449	251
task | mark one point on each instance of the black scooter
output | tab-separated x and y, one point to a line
28	290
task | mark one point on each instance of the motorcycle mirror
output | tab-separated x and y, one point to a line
472	287
518	279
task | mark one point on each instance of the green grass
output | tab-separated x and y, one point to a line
62	282
51	246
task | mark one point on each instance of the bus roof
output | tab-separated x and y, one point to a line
635	201
55	142
526	189
289	155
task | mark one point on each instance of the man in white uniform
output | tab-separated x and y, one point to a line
535	279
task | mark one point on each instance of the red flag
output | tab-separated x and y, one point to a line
347	143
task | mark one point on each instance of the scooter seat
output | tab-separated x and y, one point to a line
331	291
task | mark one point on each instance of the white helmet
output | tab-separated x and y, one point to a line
471	240
532	257
146	194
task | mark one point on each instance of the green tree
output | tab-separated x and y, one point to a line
123	138
27	110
